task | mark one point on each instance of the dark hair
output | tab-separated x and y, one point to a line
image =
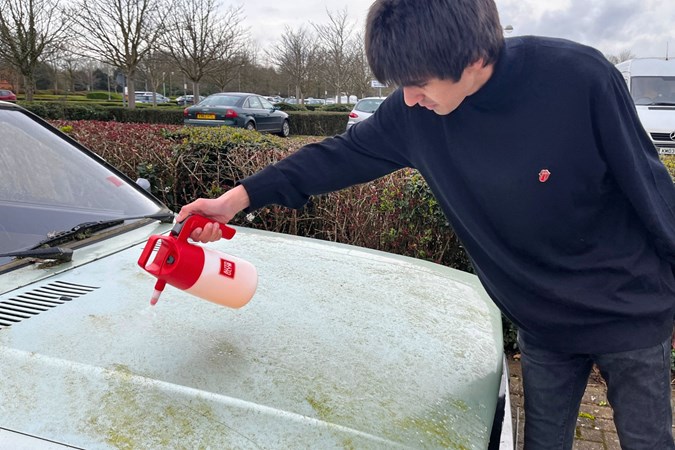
409	41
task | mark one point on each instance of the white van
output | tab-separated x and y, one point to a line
651	82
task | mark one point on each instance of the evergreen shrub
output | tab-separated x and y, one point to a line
338	107
318	123
290	107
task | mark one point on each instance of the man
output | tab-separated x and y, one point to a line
534	151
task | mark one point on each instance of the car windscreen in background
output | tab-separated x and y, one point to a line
48	184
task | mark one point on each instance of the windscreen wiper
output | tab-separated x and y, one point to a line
57	253
85	229
48	248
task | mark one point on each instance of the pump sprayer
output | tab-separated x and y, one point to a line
205	273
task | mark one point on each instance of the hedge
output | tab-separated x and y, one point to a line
316	123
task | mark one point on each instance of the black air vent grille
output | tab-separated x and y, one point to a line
32	303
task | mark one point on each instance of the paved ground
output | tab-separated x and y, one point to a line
595	427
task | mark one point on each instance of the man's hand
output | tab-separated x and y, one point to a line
221	209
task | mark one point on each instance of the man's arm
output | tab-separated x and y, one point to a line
634	163
369	150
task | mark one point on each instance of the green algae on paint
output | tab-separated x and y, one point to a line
323	411
435	429
130	417
447	425
436	433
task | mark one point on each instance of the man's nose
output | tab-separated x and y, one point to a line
412	95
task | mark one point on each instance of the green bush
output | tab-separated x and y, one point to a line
67	110
101	95
146	115
317	123
302	122
290	107
338	107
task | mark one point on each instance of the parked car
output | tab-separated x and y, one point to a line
315	101
363	109
187	99
147	97
238	109
7	95
339	347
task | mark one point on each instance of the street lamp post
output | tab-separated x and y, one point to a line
108	73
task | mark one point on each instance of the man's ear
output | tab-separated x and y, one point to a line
477	65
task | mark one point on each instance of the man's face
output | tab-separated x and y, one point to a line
444	96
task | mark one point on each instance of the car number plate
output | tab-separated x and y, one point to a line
666	150
206	116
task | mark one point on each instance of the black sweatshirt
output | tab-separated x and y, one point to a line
548	179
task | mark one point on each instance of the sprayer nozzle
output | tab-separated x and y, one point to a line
155	297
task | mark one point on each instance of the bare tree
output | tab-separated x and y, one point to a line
624	55
121	32
29	31
223	72
359	74
154	66
294	56
335	40
201	39
70	65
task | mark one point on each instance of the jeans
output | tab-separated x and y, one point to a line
638	389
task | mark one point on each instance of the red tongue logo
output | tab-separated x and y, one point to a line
544	174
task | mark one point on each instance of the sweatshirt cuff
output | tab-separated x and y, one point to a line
270	186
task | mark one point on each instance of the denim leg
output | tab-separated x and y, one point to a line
638	389
553	385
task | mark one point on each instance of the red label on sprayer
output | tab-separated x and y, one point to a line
227	268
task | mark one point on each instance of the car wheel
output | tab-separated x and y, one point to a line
285	129
250	126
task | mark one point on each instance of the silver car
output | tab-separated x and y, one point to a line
340	347
363	109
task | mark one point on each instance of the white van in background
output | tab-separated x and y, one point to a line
651	82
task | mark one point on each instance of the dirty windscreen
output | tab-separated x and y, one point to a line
49	185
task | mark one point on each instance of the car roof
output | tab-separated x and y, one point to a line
240	94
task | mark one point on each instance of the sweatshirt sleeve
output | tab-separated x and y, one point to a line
634	162
368	150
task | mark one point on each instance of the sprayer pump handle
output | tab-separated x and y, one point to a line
185	228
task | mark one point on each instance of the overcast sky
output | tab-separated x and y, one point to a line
644	27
